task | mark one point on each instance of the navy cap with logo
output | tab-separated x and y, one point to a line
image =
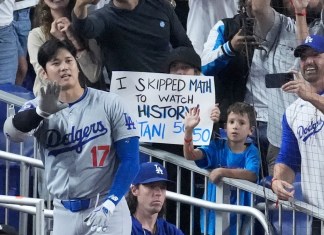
151	172
315	42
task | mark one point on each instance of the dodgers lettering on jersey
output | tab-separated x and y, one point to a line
77	144
304	132
75	139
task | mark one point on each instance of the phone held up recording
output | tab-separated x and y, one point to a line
276	80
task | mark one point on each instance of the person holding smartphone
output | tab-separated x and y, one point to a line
276	30
302	129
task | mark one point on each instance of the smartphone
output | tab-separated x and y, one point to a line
276	80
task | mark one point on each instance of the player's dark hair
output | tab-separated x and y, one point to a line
50	48
242	108
132	204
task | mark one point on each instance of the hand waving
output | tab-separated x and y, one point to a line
48	100
192	118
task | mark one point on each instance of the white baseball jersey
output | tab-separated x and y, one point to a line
305	123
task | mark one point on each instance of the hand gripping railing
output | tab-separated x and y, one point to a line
38	203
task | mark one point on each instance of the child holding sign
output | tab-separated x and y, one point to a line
231	157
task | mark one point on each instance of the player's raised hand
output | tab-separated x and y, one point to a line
192	118
48	100
99	217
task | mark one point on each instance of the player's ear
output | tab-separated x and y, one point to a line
134	190
43	74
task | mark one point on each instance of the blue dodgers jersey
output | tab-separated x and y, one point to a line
77	144
162	228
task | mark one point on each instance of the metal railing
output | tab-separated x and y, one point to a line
181	165
36	202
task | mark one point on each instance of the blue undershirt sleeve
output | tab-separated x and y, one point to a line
127	151
289	151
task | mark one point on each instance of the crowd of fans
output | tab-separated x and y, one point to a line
237	42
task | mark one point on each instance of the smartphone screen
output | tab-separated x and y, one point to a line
276	80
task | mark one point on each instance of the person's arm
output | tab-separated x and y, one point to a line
217	52
88	26
301	23
264	16
34	42
127	151
90	61
192	119
178	35
288	161
216	174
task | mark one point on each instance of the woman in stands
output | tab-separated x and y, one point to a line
54	22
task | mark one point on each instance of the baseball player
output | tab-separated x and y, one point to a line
88	144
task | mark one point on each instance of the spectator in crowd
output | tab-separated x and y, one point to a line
224	57
134	35
54	22
22	25
184	61
302	129
8	43
231	157
146	201
85	138
203	15
277	35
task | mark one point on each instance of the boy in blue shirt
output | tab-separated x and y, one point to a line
231	157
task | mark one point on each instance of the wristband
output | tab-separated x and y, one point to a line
303	13
187	140
42	113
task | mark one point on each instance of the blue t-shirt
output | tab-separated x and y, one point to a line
218	154
162	228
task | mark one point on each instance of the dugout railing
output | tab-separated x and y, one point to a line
14	202
262	198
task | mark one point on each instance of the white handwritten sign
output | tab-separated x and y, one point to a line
160	102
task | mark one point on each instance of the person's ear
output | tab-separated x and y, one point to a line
134	190
252	129
43	74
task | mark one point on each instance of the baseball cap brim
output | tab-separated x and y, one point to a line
152	180
301	49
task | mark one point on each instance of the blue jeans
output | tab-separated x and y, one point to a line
22	27
8	54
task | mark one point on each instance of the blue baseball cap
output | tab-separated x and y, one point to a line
315	42
151	172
